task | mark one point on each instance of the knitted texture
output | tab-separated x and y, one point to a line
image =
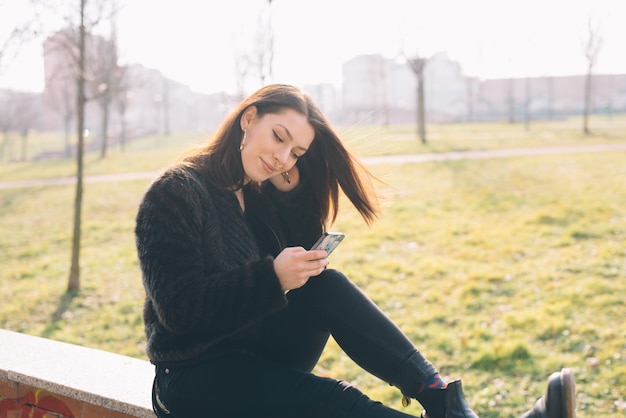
205	277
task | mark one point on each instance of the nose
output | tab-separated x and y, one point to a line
281	157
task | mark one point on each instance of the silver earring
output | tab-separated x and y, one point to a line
243	141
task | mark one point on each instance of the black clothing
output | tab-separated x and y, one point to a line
225	338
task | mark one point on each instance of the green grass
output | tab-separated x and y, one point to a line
504	270
154	152
501	271
481	136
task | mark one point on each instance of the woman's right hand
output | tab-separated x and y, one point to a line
295	265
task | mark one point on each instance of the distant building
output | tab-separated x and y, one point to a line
366	90
445	89
325	96
158	105
548	97
60	73
144	100
375	90
383	90
378	90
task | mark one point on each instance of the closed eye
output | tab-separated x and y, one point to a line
278	138
281	140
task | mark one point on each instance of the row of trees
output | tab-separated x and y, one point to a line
103	79
18	113
89	71
85	68
591	46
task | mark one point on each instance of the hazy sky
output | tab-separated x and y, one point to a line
191	41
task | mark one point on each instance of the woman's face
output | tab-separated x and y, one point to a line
274	142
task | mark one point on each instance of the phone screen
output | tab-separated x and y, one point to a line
329	241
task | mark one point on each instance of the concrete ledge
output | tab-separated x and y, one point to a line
92	377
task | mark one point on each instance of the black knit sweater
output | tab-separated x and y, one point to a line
207	267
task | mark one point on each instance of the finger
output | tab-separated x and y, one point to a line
316	265
294	250
317	254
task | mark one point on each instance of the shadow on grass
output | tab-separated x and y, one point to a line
64	303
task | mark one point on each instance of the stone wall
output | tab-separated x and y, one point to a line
50	379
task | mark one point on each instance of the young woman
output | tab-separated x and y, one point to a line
238	308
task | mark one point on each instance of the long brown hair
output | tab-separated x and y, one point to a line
327	164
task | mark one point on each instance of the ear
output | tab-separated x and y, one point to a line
247	117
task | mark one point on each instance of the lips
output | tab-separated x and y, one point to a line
268	168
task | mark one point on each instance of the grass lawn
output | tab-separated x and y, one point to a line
501	271
154	152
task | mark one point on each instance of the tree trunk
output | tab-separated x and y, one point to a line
551	98
166	108
123	134
421	119
105	129
74	278
121	111
24	145
469	93
511	101
66	130
527	104
4	144
587	102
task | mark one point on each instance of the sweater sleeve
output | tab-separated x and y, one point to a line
203	277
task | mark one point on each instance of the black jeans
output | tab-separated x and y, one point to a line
272	377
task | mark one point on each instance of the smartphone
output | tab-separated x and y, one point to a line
329	241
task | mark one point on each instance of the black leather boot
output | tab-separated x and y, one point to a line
559	400
445	403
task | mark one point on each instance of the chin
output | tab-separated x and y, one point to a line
257	179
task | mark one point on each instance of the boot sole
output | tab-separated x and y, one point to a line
568	393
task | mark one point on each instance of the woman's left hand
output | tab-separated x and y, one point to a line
287	180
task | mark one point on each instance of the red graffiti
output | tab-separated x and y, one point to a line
36	404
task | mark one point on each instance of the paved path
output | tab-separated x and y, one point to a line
386	159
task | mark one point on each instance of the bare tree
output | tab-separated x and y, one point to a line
470	97
382	86
527	102
75	54
26	115
102	76
417	65
270	41
264	45
550	98
60	92
591	48
11	43
74	277
166	103
105	81
242	69
20	34
76	42
18	113
510	99
6	119
253	53
122	97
